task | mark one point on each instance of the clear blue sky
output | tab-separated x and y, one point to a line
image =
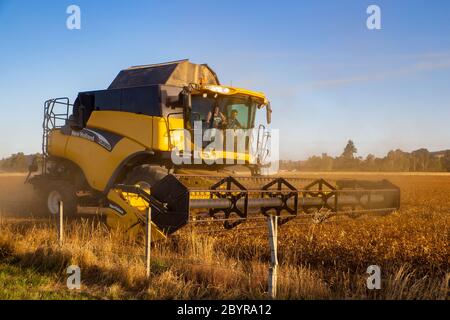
329	78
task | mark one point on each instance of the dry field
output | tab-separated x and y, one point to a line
326	261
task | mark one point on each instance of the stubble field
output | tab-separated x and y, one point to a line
317	261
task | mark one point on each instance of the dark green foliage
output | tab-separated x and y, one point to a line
420	160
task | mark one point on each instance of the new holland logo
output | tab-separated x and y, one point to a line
116	208
94	137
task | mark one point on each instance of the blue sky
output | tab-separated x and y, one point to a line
329	78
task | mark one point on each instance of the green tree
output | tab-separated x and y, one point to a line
17	162
396	160
420	160
326	162
370	163
349	150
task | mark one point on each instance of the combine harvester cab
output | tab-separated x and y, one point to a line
114	149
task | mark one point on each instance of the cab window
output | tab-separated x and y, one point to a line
243	107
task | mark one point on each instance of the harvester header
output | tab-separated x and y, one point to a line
178	199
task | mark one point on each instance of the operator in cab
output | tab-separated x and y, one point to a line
233	122
216	119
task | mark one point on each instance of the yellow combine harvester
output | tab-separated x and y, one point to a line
124	148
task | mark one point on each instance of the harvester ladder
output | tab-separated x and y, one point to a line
56	112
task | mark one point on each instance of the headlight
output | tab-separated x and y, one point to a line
218	89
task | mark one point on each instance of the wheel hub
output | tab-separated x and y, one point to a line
53	200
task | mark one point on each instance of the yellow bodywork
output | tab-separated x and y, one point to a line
133	220
151	132
139	132
97	163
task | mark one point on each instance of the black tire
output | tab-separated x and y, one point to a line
53	192
150	174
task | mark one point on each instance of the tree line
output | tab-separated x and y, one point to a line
396	160
18	162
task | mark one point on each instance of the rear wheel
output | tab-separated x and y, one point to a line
53	193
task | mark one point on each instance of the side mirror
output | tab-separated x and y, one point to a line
269	113
186	99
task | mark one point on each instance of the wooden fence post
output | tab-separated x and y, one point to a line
148	241
61	223
272	223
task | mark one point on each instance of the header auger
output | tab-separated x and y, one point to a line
115	149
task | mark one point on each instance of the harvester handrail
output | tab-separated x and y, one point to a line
51	119
169	130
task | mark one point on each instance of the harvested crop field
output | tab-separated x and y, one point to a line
317	261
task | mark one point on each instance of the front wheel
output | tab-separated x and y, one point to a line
55	192
145	176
